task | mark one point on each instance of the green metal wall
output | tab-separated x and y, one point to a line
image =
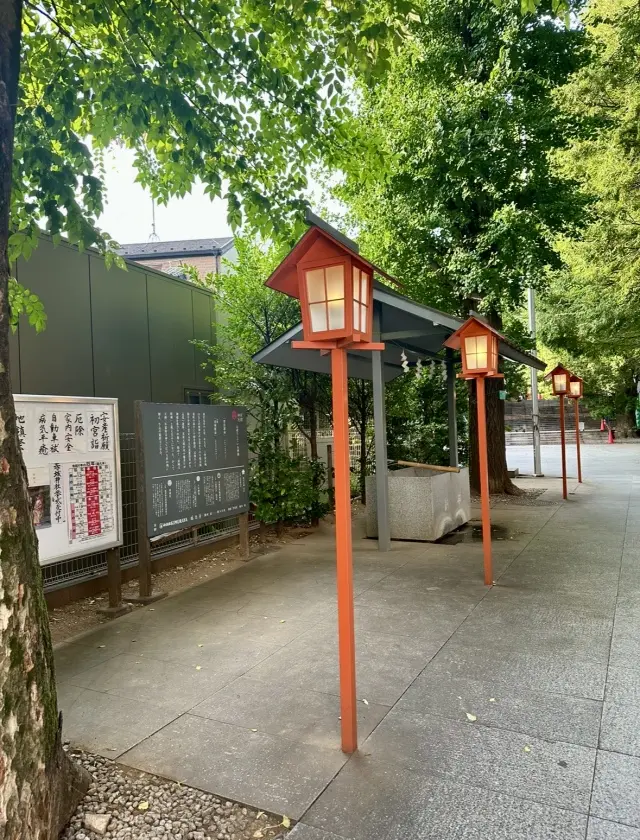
110	333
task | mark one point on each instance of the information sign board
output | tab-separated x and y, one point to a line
196	463
71	450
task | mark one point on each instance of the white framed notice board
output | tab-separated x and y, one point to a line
71	449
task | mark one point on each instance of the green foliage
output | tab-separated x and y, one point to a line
24	302
283	488
241	95
590	317
466	207
417	417
248	316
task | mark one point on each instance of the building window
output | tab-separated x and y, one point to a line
194	396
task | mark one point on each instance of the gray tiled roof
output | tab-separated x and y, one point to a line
177	248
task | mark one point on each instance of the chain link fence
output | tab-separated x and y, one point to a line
78	569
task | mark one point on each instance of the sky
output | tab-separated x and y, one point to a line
127	216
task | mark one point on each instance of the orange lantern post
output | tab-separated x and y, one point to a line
560	378
576	387
478	344
335	287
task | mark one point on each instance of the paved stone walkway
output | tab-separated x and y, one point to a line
504	712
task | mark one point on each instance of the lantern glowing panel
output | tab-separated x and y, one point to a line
361	285
560	383
325	294
575	385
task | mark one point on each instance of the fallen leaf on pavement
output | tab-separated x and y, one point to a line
286	822
471	717
143	806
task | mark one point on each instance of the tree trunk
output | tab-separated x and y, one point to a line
39	786
499	481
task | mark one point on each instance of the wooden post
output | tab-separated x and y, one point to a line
346	632
578	441
330	491
243	535
145	582
114	581
563	450
484	481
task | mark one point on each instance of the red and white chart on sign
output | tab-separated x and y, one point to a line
90	500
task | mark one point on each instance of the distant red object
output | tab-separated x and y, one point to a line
612	437
603	425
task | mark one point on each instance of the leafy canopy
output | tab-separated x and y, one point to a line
591	313
241	94
463	204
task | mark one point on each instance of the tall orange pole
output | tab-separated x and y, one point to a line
484	480
346	634
578	441
563	450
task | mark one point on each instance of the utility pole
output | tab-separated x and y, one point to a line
535	415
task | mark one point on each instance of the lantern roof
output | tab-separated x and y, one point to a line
472	325
321	241
559	369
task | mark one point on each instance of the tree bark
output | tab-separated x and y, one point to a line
39	786
499	481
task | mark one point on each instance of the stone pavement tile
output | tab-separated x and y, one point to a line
570	632
625	650
616	788
383	800
301	831
605	830
620	720
521	670
196	645
110	725
167	684
553	773
72	658
193	601
305	609
287	712
555	717
273	774
400	595
426	624
528	598
385	664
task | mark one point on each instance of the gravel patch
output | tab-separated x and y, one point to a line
143	807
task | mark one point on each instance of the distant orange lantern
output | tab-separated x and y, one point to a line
561	386
478	343
560	378
576	388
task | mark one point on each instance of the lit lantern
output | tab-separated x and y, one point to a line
336	300
575	387
560	378
478	345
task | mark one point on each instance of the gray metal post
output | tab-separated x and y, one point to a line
535	414
451	409
380	431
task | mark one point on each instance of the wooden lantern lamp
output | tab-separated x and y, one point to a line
576	390
478	343
334	284
561	386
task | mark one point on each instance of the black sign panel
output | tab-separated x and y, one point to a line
196	464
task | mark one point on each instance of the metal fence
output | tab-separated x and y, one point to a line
67	572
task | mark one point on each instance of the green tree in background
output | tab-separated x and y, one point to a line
591	312
456	195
